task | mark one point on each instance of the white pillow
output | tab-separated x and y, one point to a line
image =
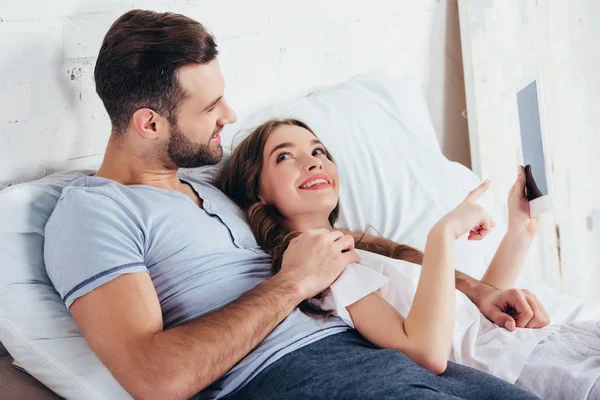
35	326
394	178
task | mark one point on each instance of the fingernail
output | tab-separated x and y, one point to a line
507	325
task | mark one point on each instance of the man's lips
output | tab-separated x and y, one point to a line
216	137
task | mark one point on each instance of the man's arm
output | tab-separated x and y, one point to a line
122	321
123	324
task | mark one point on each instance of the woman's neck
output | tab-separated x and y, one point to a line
307	222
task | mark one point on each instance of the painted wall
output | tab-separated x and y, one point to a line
505	45
51	118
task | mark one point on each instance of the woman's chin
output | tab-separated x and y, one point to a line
326	207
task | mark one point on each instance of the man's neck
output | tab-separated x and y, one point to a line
123	165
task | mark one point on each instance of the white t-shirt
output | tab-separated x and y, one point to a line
477	343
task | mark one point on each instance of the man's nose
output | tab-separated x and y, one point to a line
228	116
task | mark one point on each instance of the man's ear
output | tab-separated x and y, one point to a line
262	199
146	123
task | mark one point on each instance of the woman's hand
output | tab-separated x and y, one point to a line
519	221
469	217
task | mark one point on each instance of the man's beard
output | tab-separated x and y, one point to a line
185	154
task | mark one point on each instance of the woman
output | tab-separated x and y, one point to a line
287	182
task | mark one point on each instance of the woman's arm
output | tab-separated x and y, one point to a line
426	334
507	263
468	285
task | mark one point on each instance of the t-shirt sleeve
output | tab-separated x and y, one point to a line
90	239
356	282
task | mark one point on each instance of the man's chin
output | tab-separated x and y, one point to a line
216	154
212	157
207	158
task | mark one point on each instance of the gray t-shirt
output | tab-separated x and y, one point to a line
199	259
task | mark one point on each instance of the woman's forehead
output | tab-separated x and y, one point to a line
295	135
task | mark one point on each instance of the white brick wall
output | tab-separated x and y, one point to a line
51	118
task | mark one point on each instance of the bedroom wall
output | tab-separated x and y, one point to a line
509	43
51	118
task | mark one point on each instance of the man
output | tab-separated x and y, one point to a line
161	272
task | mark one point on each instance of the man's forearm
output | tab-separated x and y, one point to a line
471	287
507	263
192	356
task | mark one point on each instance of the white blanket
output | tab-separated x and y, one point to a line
477	342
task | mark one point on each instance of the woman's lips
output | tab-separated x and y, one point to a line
316	182
318	186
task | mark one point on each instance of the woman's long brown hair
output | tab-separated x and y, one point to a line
240	180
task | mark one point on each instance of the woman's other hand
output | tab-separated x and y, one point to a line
519	221
469	217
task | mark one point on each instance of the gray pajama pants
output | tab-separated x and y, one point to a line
565	365
347	367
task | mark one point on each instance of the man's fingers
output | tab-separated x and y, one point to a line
329	236
547	316
503	320
523	309
537	318
543	312
510	324
541	317
351	257
344	243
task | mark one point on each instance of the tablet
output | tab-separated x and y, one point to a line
535	155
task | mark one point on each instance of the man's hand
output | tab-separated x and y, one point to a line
315	259
513	308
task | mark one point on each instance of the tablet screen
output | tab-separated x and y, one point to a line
531	139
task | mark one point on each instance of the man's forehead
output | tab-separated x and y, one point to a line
201	79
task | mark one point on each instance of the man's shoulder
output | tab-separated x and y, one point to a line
89	195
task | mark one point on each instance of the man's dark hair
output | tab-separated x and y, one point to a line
138	60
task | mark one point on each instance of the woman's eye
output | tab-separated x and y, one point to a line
283	156
318	150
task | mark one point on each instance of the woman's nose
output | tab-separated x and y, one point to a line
314	164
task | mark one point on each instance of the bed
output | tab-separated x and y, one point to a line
400	175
